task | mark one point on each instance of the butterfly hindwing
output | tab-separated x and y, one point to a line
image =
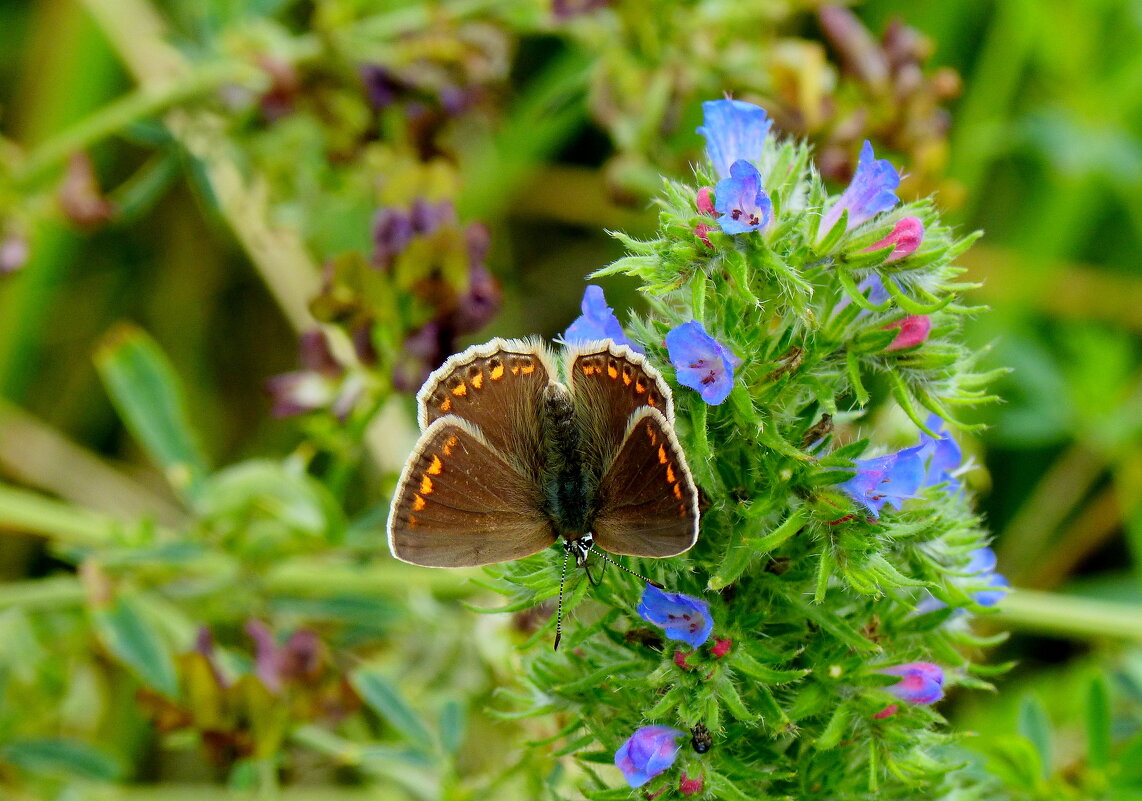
609	382
497	387
460	503
648	504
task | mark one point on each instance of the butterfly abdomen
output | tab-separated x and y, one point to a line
569	489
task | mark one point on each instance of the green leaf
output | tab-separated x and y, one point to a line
776	538
746	664
146	391
453	722
127	634
1036	727
382	696
834	730
61	758
1098	722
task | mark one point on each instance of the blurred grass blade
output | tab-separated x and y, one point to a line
128	635
382	696
61	758
1098	728
1036	727
145	389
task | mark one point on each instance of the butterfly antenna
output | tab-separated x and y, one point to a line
625	569
559	606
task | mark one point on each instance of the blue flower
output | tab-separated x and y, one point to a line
648	752
892	478
942	454
869	193
733	130
702	363
920	682
598	321
740	200
682	617
981	573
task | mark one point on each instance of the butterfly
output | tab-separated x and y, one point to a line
511	459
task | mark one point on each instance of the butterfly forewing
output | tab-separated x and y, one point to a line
609	383
648	504
497	387
461	503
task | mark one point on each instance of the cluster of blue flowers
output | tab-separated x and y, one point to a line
738	204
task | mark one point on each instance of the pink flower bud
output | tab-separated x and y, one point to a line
887	712
702	230
914	329
721	647
688	786
906	236
706	201
680	660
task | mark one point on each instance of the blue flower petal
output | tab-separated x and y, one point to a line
943	455
920	682
892	479
870	192
597	321
701	362
647	753
740	200
733	130
682	617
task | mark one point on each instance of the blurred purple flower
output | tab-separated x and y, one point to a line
382	86
14	253
914	329
892	479
742	203
906	236
392	233
701	362
565	9
734	130
978	578
682	617
648	752
870	192
920	682
481	301
299	658
314	386
597	321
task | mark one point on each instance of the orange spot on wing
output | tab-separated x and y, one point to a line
446	405
413	522
478	380
612	372
497	372
639	387
662	454
650	400
670	473
437	466
418	504
529	368
426	486
650	433
449	444
682	510
515	369
678	492
627	378
460	390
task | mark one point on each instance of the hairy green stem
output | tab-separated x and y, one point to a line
1070	616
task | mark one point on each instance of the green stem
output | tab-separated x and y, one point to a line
384	580
140	104
21	510
46	593
1070	616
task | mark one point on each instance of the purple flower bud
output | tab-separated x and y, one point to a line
597	321
742	203
476	307
870	192
691	786
701	362
392	232
682	617
648	752
382	86
267	656
906	236
565	9
914	329
14	253
426	217
920	682
892	479
734	130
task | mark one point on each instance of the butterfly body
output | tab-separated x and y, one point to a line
511	459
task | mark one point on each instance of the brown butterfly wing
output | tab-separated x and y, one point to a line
497	387
648	504
459	503
610	382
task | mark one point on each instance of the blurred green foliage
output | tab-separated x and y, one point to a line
237	150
